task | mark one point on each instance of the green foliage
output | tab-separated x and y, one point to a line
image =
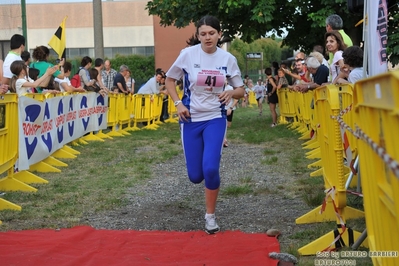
304	20
271	52
393	35
234	190
142	67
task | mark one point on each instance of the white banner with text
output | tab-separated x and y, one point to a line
45	127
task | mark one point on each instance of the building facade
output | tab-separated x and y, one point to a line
127	29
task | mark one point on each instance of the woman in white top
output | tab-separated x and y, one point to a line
336	46
204	68
21	83
129	82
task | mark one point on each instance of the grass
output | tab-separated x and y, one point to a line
97	179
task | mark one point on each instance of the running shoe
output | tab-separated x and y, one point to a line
211	227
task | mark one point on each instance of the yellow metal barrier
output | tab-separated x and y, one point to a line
376	105
112	118
157	108
172	112
327	106
252	99
299	104
286	104
307	113
9	147
142	110
173	118
123	105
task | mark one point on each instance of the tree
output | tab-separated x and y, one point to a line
271	52
393	34
303	19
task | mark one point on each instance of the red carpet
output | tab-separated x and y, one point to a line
84	245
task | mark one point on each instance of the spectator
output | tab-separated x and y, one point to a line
320	75
201	111
165	102
94	74
129	82
283	66
65	83
282	81
84	74
321	50
272	97
119	80
353	69
152	86
25	55
21	83
99	65
334	22
301	74
336	46
41	54
108	75
259	90
17	45
300	56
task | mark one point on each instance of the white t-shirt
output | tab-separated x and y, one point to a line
259	91
130	81
11	57
204	77
334	67
355	75
150	87
64	80
22	90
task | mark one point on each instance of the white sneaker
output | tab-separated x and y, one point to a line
211	227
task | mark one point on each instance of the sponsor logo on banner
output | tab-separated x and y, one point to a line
48	126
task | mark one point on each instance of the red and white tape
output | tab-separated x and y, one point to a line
331	193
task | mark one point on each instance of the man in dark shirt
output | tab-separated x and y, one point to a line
320	75
119	80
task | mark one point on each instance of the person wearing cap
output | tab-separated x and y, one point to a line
119	80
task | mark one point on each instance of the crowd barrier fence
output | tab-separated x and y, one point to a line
9	150
340	122
376	106
329	102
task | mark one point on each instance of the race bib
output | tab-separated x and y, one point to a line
211	81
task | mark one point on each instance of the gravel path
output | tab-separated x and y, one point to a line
168	201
